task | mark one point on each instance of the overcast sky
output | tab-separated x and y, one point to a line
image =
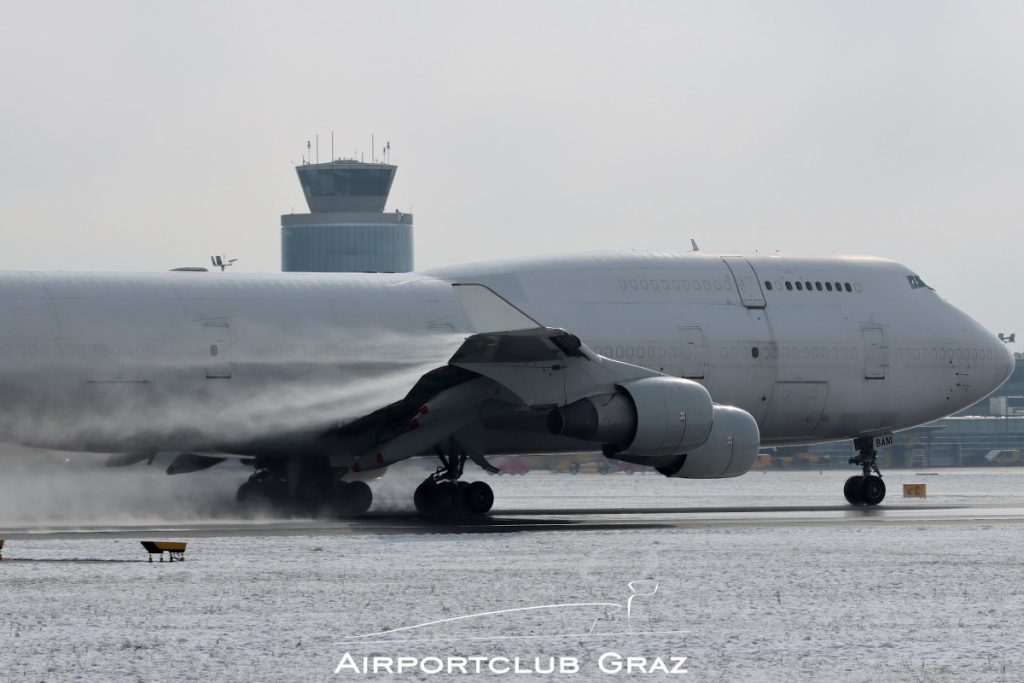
148	136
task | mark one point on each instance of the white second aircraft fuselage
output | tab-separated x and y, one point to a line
813	348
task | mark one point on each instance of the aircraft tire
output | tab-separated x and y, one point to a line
872	490
852	490
246	493
447	498
478	497
441	498
423	498
359	497
311	497
339	499
261	495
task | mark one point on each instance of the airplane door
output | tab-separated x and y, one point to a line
795	410
218	339
876	353
694	353
747	283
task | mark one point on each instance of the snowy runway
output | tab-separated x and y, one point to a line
758	578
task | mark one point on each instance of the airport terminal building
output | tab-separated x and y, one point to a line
346	229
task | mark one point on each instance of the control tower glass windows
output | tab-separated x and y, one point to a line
344	182
346	186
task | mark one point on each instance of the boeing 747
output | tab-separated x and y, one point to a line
684	362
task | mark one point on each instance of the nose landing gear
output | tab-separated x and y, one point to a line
442	494
867	488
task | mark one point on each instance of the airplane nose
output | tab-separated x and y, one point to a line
1004	364
1011	362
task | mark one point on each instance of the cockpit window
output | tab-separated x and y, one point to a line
916	282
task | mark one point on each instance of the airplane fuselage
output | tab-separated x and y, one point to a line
814	348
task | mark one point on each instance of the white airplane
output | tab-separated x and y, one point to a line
686	362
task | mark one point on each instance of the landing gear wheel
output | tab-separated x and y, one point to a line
441	498
262	495
447	499
360	497
872	490
311	497
339	499
478	497
444	494
867	489
423	498
246	492
852	490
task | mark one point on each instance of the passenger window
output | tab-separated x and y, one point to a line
789	285
828	286
768	285
817	286
848	287
839	287
809	286
799	286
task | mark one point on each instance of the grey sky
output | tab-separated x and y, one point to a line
144	136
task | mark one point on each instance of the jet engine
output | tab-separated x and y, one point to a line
650	417
729	452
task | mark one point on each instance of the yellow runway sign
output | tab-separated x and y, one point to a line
915	490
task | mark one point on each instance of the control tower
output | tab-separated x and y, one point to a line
346	229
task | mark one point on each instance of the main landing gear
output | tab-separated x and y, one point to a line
868	488
442	493
299	488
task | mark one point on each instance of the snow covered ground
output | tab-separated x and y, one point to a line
927	602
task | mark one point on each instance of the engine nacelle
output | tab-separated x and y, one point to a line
646	418
729	452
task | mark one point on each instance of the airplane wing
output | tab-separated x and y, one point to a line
512	363
521	375
544	367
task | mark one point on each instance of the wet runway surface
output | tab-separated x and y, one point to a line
571	519
137	503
